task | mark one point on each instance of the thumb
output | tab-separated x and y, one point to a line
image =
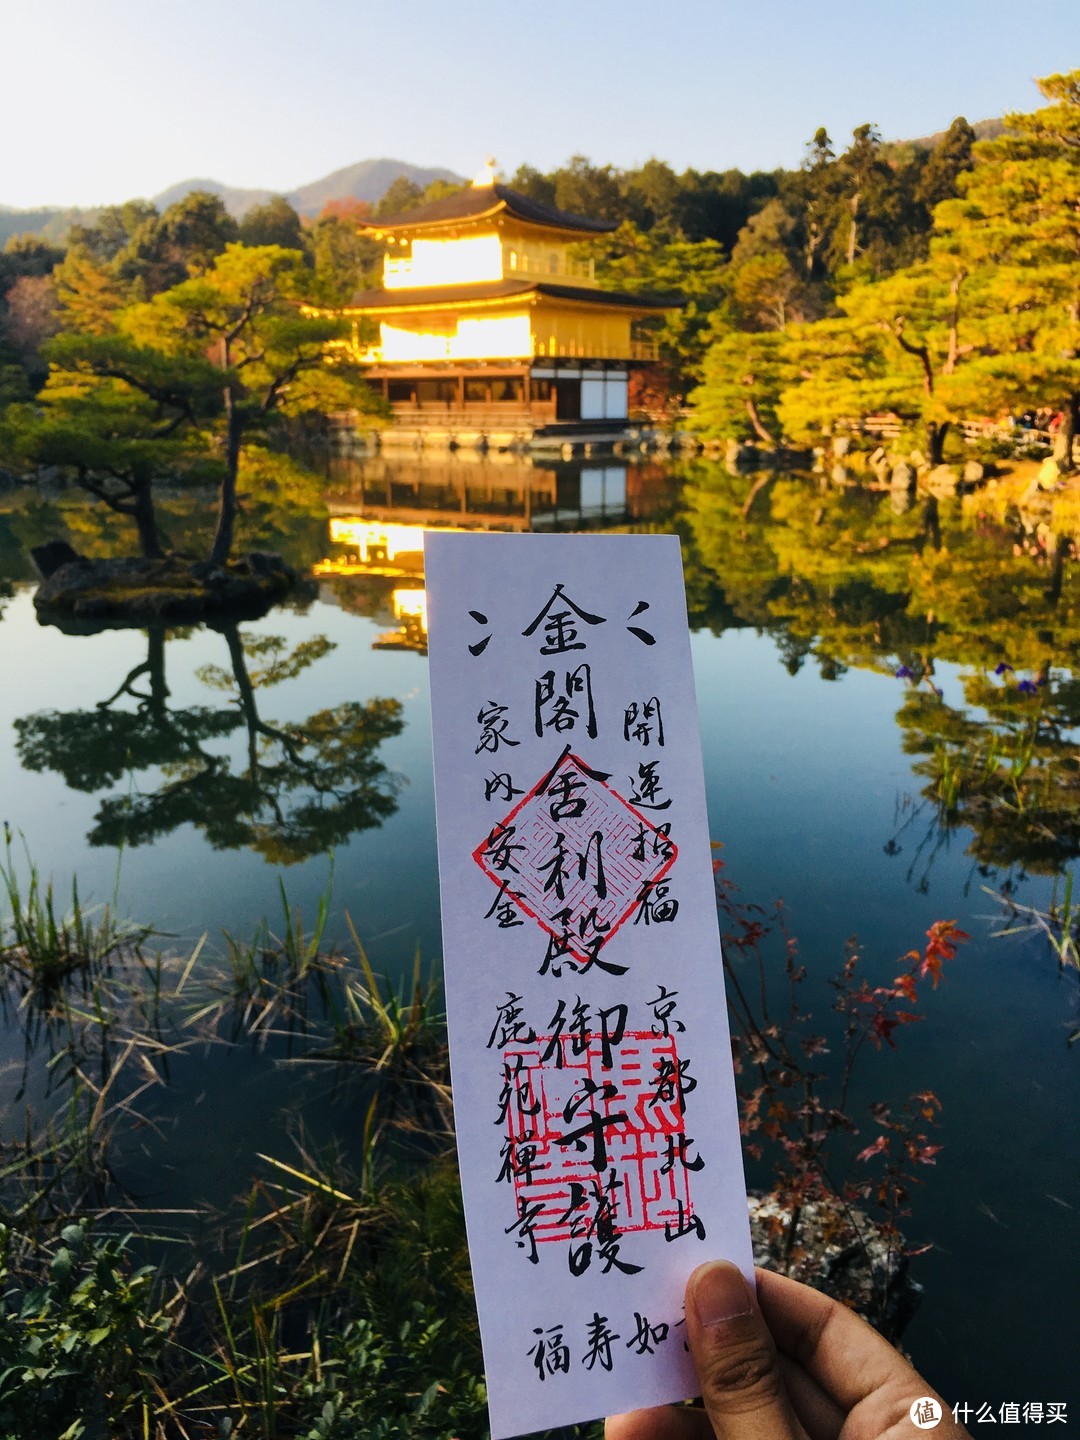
735	1358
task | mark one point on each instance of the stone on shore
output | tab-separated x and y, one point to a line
1049	474
903	476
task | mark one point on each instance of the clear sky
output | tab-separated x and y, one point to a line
103	100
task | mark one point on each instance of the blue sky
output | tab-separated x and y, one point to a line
107	99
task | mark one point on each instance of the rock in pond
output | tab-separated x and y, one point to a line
838	1249
141	591
942	481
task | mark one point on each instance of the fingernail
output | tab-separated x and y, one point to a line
720	1293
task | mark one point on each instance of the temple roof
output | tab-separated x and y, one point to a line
476	201
505	290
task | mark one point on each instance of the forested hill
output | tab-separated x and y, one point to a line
366	180
983	130
876	276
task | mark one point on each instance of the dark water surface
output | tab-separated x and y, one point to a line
828	779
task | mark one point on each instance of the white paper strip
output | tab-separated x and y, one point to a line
593	1090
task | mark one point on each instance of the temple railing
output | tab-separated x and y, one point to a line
553	348
400	273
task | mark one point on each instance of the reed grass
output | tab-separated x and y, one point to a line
257	1330
43	945
1059	925
1058	928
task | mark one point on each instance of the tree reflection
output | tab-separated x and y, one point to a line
292	790
843	577
1008	769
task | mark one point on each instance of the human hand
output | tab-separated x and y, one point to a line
790	1365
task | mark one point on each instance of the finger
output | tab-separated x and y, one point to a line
665	1422
818	1413
855	1366
735	1358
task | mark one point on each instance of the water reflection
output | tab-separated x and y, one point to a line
977	621
1006	767
288	791
380	508
936	595
500	492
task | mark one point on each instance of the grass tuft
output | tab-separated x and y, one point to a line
41	946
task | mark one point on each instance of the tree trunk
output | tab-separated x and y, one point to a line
814	236
155	665
755	490
246	693
143	514
1068	431
223	538
954	323
935	441
931	521
1056	545
853	232
755	420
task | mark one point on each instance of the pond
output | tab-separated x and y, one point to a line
889	707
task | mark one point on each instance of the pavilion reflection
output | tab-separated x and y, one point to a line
380	507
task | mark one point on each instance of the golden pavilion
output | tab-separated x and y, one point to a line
491	330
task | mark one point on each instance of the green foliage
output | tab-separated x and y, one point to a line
88	294
402	195
840	579
1014	236
742	378
527	180
27	314
1003	767
640	261
117	417
986	321
282	506
80	1338
345	259
275	223
583	188
112	232
950	157
144	252
26	257
370	1384
179	383
246	312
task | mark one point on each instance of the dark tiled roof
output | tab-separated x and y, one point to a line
476	200
506	289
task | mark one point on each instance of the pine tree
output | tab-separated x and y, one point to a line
1014	233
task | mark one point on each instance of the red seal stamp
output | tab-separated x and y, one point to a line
579	859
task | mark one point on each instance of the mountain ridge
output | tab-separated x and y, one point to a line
363	180
366	180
